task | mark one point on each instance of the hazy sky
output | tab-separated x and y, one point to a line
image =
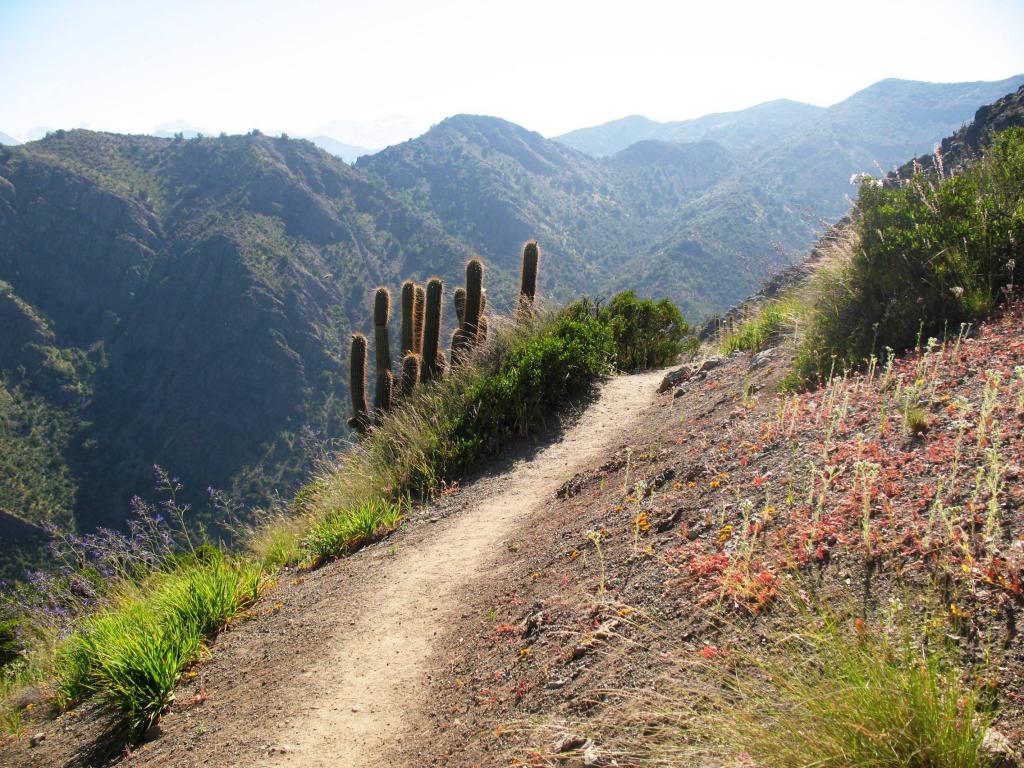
386	70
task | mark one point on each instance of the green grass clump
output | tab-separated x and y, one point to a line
772	321
132	654
835	696
351	527
921	257
830	691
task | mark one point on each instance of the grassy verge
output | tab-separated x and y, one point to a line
771	323
132	653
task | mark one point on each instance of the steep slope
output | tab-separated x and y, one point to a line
183	303
966	144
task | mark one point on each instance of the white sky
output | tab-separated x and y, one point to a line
384	71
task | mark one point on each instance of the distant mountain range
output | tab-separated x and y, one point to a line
918	107
187	302
8	140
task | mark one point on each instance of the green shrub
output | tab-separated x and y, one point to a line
927	255
647	334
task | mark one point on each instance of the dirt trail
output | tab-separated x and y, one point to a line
370	676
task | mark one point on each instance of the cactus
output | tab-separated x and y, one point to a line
460	304
381	345
481	330
417	320
385	391
360	420
528	284
410	373
430	369
474	297
408	312
459	345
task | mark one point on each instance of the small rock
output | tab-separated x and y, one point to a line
568	743
679	392
674	378
590	755
36	738
998	752
761	359
710	364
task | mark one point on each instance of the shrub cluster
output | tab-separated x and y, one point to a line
647	333
927	255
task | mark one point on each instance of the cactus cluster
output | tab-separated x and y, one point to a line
422	360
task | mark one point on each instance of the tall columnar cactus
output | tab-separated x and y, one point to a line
528	283
460	304
381	345
408	315
430	368
419	308
481	330
410	373
360	420
474	297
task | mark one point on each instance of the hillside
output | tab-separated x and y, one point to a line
182	303
165	294
740	130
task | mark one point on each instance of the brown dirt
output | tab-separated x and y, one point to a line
335	666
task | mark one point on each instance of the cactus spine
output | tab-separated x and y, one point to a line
431	367
460	304
419	307
408	315
360	420
410	373
382	349
385	391
528	283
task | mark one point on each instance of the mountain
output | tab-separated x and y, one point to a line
703	222
347	152
8	140
183	303
738	130
891	112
